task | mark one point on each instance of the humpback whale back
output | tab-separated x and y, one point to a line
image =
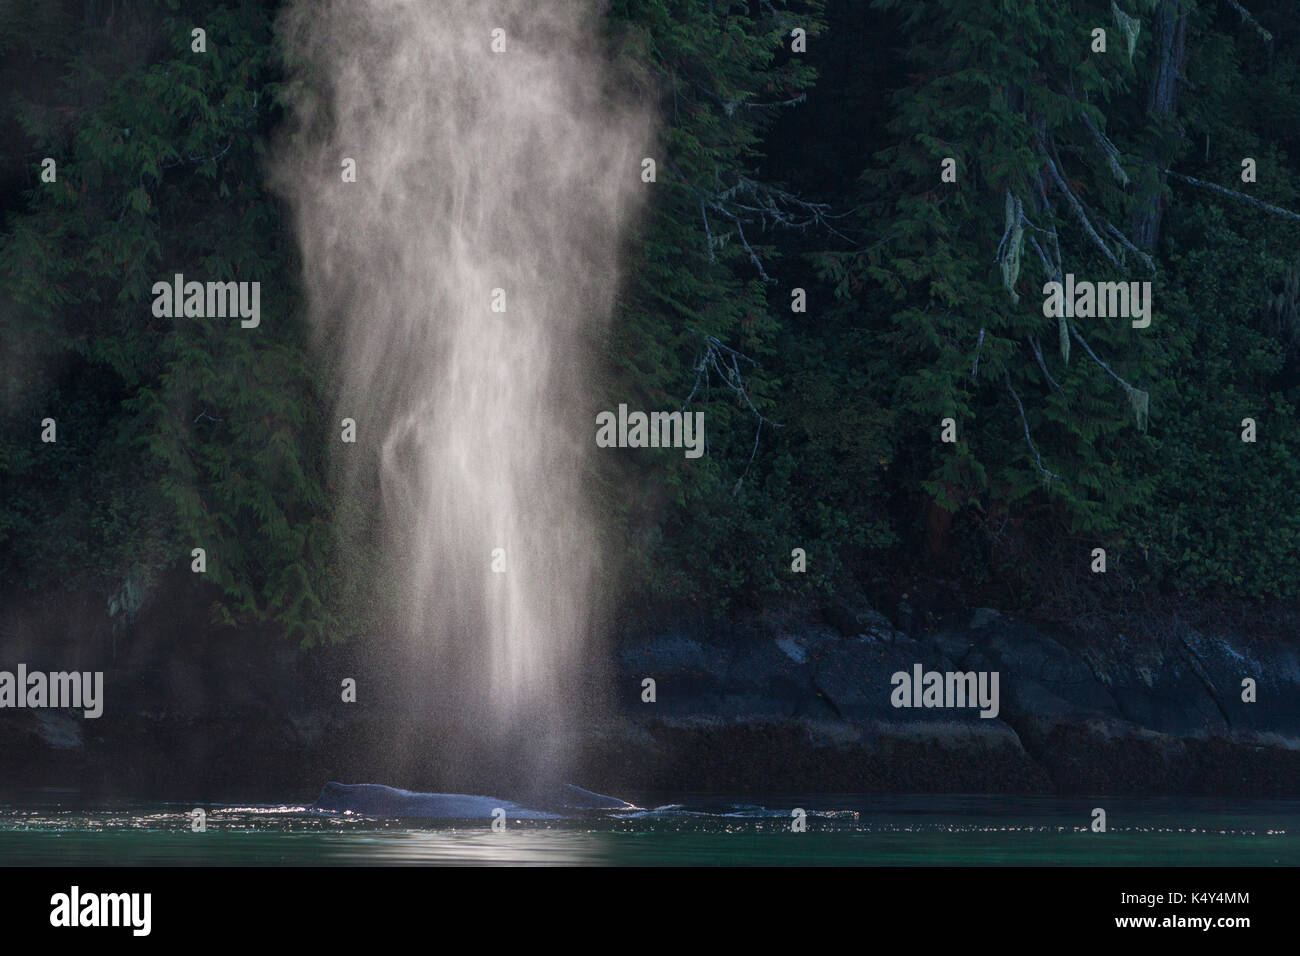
377	800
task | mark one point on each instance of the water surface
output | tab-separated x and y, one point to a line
676	829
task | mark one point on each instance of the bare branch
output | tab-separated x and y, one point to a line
1078	210
1087	348
1137	397
1276	210
198	160
740	229
758	431
725	361
1245	15
1050	269
794	101
707	232
1048	475
1124	241
1107	147
1038	355
772	198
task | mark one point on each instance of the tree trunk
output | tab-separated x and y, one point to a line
1170	32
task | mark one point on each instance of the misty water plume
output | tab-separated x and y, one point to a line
482	177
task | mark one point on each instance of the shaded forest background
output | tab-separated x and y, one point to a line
777	171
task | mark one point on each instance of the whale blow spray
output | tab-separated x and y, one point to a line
460	174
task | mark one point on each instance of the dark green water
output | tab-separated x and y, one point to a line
841	829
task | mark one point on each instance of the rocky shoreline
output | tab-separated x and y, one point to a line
811	710
799	706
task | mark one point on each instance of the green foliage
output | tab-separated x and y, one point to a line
174	433
726	524
1055	441
1223	516
776	171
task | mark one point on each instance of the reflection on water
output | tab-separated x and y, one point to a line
841	829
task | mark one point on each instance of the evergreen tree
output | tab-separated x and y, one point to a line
173	434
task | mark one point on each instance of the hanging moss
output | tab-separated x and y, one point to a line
1129	26
1014	247
1140	402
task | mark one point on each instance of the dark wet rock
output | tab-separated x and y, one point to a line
672	654
1039	676
1112	716
1222	666
806	755
779	702
859	622
857	678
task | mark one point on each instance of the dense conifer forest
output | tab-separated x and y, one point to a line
841	262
